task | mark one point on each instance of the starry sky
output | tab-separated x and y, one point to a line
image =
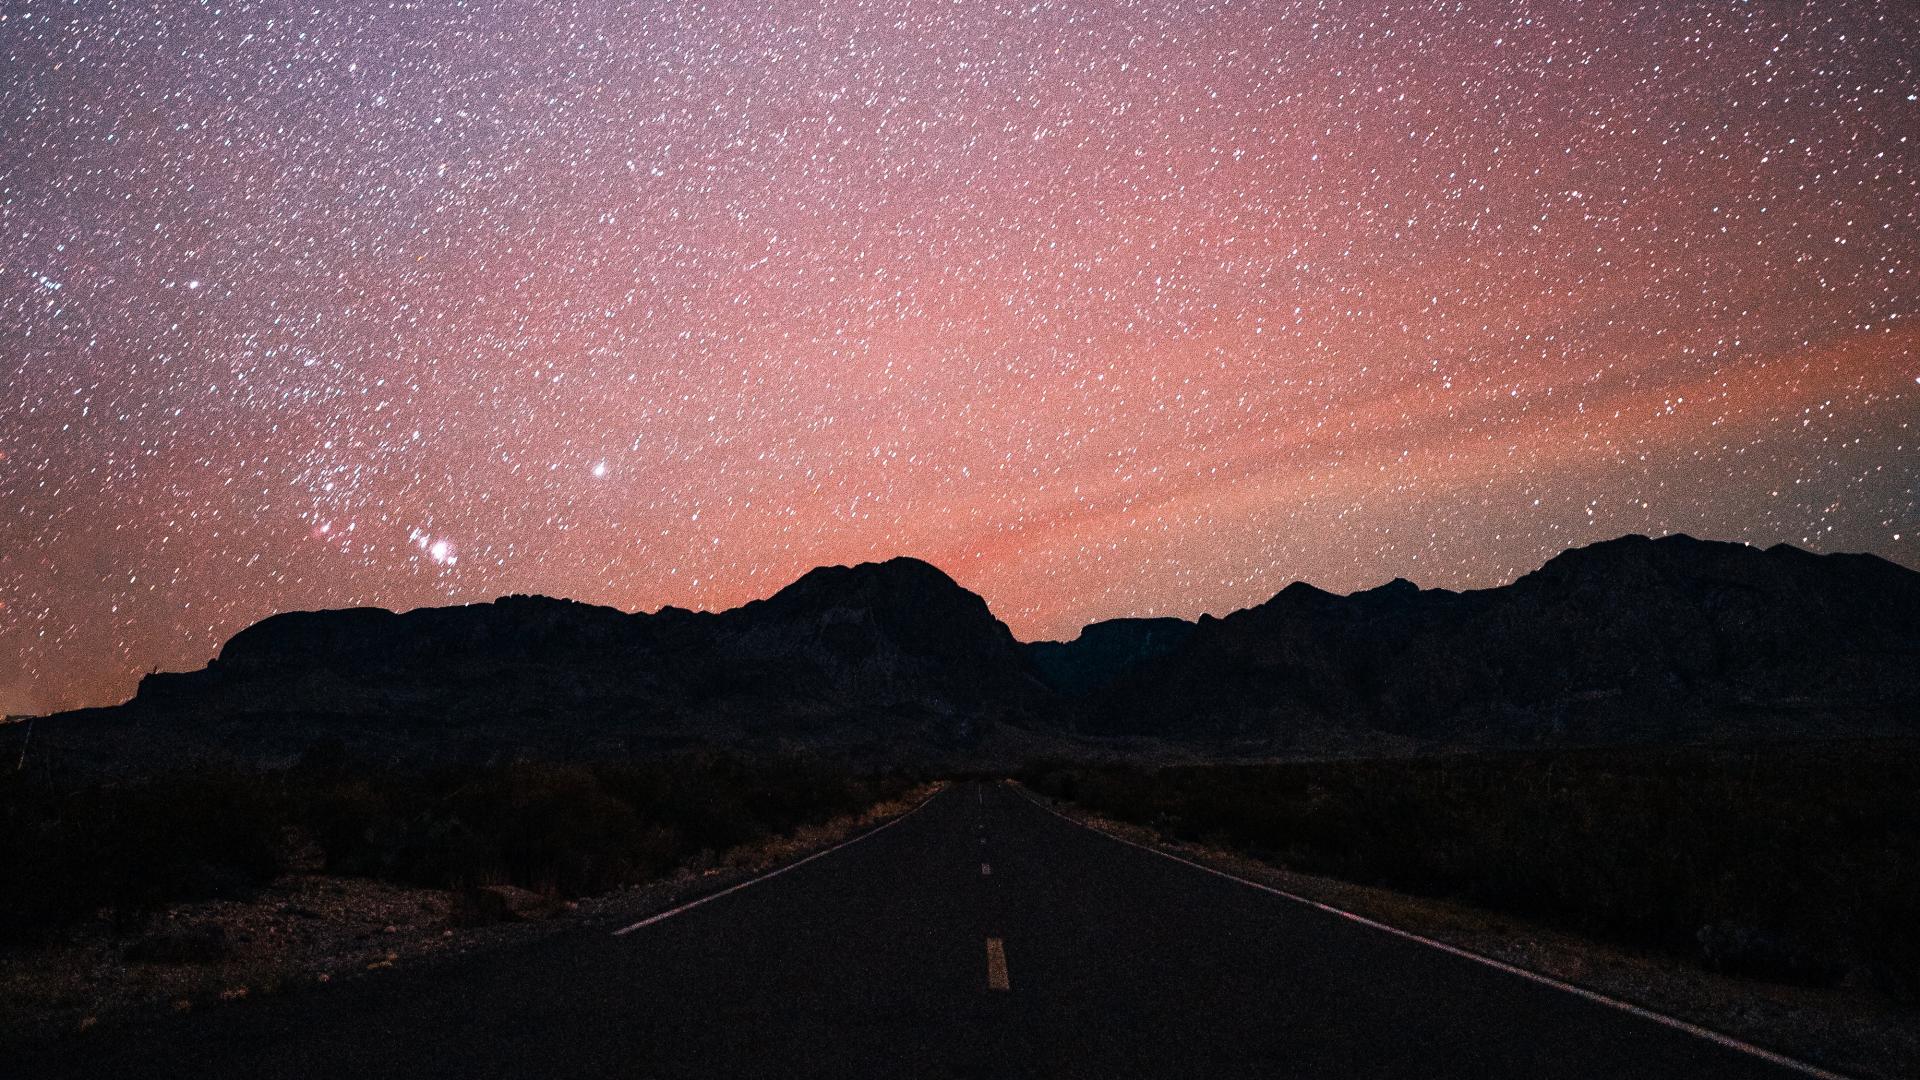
1107	307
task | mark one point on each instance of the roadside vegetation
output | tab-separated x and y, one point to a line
119	851
1796	863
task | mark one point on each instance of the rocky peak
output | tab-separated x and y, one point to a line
911	601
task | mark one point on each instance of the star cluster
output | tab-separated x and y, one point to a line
1107	307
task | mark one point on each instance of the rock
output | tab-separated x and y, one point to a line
486	905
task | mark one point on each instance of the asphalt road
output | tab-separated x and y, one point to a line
880	959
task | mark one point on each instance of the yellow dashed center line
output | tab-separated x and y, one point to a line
996	964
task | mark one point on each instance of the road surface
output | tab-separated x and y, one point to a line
981	936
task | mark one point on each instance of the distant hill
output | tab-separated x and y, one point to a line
1104	651
863	659
1630	640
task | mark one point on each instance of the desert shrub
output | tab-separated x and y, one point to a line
563	830
548	827
1793	862
125	848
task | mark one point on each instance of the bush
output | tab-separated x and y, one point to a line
1789	862
564	830
127	848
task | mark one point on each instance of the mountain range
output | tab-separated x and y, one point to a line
1629	640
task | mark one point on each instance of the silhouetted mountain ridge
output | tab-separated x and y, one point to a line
844	659
1632	639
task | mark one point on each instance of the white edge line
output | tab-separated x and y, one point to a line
691	904
1640	1011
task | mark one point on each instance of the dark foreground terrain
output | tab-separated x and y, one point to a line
1796	863
116	852
885	958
